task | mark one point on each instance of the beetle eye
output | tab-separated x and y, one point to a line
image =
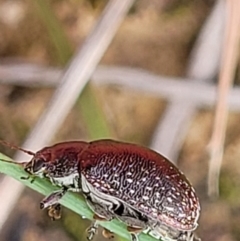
38	165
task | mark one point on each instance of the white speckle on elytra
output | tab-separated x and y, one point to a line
170	208
95	184
169	199
132	202
181	215
186	192
157	194
145	197
183	221
173	196
130	165
149	188
129	180
132	191
184	203
154	214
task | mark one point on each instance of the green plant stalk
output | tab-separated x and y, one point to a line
92	113
73	201
58	37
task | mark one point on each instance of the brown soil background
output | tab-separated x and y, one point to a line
157	36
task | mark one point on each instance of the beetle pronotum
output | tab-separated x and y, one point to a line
119	180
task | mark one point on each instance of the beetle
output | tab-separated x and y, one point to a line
120	180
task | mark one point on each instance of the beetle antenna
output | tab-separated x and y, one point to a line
13	162
16	148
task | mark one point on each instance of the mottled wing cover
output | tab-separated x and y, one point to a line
143	179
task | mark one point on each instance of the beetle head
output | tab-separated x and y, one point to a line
37	166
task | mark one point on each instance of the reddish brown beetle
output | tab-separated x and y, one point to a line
125	181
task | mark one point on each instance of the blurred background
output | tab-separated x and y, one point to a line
153	69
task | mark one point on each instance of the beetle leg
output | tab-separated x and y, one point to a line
99	211
92	230
196	238
32	178
134	237
134	232
53	198
54	211
188	236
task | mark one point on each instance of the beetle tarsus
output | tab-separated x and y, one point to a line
134	231
27	178
92	230
55	211
134	237
196	238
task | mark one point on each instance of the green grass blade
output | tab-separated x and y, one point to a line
93	115
58	37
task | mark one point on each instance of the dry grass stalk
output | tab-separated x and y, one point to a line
226	76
